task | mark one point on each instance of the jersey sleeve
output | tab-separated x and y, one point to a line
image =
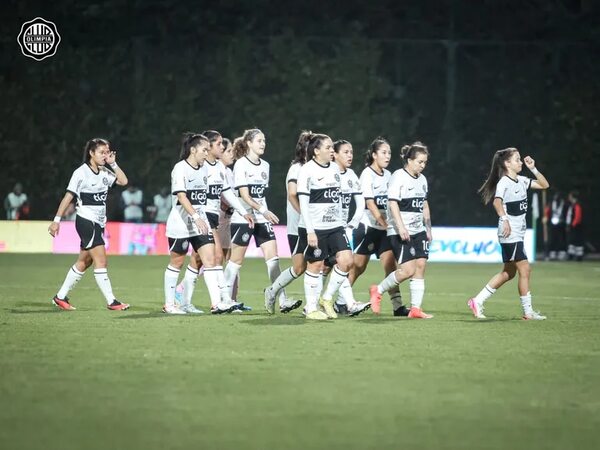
366	184
112	177
303	182
526	182
177	180
356	189
293	173
426	187
501	188
239	175
75	183
395	188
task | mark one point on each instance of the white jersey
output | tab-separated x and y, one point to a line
194	182
293	216
514	199
217	183
374	187
410	193
350	186
226	210
322	186
256	178
91	189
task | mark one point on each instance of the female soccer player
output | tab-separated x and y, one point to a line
509	191
188	224
218	187
297	244
251	179
89	184
319	192
371	236
410	229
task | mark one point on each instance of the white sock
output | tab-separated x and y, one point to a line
103	283
231	272
417	291
485	293
171	277
388	283
211	279
311	291
345	294
274	271
526	303
320	285
224	288
72	278
284	278
336	278
396	297
189	284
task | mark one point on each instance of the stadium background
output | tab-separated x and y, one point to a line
466	78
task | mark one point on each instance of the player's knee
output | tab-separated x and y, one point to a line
345	263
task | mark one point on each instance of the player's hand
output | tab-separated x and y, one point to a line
249	219
429	235
202	226
271	217
529	162
111	158
403	233
312	240
381	221
53	229
506	229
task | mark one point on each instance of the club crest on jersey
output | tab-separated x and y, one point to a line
264	175
412	251
317	252
245	237
337	177
350	183
105	181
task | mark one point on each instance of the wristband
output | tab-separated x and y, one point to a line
535	171
195	216
263	209
113	166
57	219
505	217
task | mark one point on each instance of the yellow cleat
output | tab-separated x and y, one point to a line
327	305
317	315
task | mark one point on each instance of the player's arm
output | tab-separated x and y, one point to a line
499	207
111	160
372	206
359	200
62	207
187	206
311	236
427	219
540	181
394	209
234	202
245	195
292	195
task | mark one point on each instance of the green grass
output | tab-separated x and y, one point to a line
97	379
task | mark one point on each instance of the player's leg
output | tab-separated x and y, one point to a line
477	303
178	249
406	269
74	274
240	238
98	254
218	290
313	286
524	270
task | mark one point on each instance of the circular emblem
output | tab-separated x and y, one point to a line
38	39
412	251
105	181
371	246
264	175
245	237
317	252
337	177
185	245
350	183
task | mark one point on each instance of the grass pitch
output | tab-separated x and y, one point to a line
99	379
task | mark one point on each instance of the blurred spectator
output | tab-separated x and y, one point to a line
16	204
162	203
556	213
574	227
132	199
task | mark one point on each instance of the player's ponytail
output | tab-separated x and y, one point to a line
190	140
91	146
302	147
410	151
497	171
315	140
373	148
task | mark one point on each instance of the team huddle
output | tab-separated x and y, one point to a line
335	222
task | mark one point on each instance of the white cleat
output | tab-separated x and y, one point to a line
290	305
172	310
357	308
191	309
533	315
269	300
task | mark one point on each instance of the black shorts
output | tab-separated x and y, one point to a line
330	243
181	245
297	242
416	248
513	252
368	241
90	233
262	232
213	220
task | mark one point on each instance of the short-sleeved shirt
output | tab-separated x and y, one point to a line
226	211
350	186
410	193
91	190
293	216
217	184
194	182
513	194
375	187
255	177
322	185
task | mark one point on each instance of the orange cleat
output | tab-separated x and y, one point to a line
63	304
116	305
417	313
375	299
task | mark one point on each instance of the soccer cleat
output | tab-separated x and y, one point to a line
533	315
290	306
63	304
476	308
269	301
179	294
401	311
244	306
342	310
357	308
417	313
116	305
375	299
316	315
172	310
222	308
191	309
327	306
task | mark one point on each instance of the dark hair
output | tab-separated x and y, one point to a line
497	171
190	140
337	145
302	147
410	151
240	144
211	135
315	140
91	146
226	143
575	194
373	148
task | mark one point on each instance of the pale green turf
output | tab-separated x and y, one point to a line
97	379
